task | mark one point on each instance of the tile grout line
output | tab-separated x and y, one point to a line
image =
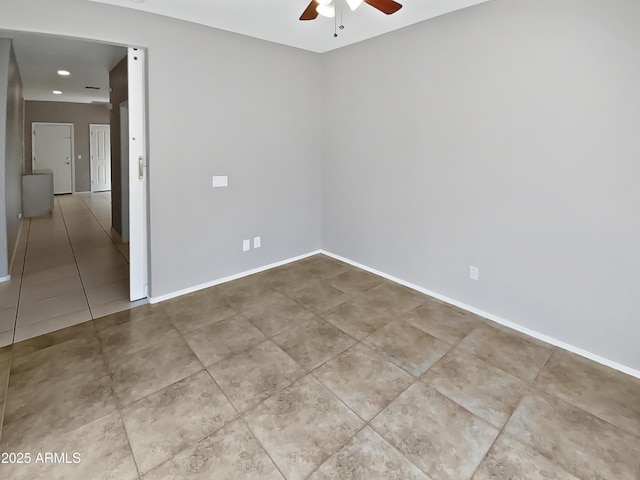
13	338
501	432
75	259
115	397
24	263
102	226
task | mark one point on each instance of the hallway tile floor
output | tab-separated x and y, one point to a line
68	268
356	378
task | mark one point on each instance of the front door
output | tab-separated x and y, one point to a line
100	150
53	150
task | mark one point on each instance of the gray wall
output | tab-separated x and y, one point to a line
11	152
503	136
219	104
81	115
119	87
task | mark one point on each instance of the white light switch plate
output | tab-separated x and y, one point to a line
474	272
246	245
256	242
220	181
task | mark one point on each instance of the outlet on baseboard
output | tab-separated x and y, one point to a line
246	245
474	272
256	242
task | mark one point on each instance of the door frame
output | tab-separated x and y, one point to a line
139	245
73	143
91	165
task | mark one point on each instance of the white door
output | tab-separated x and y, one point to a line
138	244
53	150
100	151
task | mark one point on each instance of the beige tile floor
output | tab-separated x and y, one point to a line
69	267
314	370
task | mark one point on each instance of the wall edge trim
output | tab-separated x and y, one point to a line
202	286
494	318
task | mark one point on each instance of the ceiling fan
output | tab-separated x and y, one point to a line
327	8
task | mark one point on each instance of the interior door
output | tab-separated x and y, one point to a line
100	151
53	150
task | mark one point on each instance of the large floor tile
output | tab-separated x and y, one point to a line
368	456
436	434
313	342
358	317
513	352
107	293
42	290
52	307
31	330
509	459
580	443
245	293
485	390
364	380
149	370
601	391
408	347
126	316
254	375
137	334
229	454
83	331
69	403
167	421
197	310
275	312
355	280
101	448
8	319
443	321
301	426
223	339
395	298
318	296
52	274
324	267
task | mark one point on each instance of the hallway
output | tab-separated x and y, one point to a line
68	268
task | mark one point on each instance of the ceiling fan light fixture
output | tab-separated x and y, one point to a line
328	10
353	4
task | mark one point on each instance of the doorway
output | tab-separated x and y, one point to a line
74	252
100	157
52	146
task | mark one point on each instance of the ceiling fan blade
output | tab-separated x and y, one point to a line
385	6
310	13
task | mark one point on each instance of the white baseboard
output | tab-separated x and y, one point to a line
6	278
202	286
494	318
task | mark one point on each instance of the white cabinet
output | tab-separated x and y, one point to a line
37	193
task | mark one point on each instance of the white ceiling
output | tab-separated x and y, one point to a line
277	20
39	58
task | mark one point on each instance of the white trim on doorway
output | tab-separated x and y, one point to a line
138	175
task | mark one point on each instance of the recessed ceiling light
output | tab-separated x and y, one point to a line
64	73
57	92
